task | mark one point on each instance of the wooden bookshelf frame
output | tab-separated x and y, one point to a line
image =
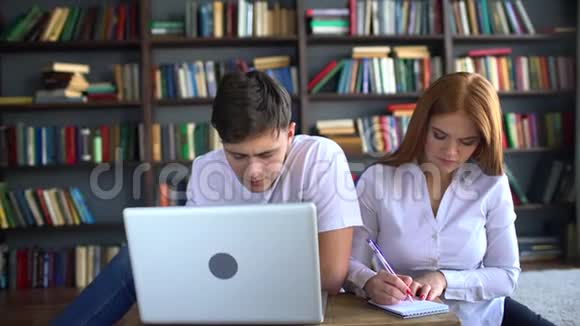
443	44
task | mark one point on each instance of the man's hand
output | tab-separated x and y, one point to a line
432	285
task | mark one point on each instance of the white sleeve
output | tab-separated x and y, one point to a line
359	271
501	265
192	187
330	187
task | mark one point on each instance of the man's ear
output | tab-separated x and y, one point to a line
291	130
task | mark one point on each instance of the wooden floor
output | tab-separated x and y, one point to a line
39	306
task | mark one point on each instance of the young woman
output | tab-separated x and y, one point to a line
441	211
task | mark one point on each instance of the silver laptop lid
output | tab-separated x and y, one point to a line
251	264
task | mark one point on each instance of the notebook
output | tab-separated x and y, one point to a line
408	309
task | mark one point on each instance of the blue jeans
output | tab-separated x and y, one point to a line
107	299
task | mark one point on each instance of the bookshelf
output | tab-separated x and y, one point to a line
70	45
69	106
535	38
309	53
183	42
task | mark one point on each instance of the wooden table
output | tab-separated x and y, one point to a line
348	310
38	307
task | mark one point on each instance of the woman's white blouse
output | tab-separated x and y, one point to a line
472	240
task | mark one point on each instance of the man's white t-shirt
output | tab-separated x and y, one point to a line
315	170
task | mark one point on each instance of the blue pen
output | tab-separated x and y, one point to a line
385	264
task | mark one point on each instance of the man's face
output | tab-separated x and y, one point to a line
257	160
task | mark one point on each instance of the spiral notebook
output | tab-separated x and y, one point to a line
408	309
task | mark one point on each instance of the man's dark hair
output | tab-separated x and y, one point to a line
247	104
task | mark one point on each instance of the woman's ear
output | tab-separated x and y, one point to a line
291	130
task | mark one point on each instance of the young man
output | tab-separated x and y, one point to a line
262	161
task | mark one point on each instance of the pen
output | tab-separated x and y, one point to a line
385	264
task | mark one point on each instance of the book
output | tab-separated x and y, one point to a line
408	309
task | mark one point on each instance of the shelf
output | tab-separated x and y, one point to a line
194	101
361	97
178	42
70	106
513	38
66	228
182	162
185	102
415	95
557	263
67	46
535	150
538	150
373	39
81	165
545	92
538	207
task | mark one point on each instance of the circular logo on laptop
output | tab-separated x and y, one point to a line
223	265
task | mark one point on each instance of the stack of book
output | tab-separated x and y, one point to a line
539	248
380	70
103	91
63	83
520	72
279	68
65	23
38	207
173	27
343	132
328	21
16	100
475	17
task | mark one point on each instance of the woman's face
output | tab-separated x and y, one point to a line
451	140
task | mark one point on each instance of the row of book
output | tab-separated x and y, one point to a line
377	17
384	133
520	72
73	23
538	248
200	79
38	207
66	145
226	18
475	17
553	182
530	130
183	141
371	70
26	268
377	134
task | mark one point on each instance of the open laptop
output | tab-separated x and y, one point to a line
250	264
